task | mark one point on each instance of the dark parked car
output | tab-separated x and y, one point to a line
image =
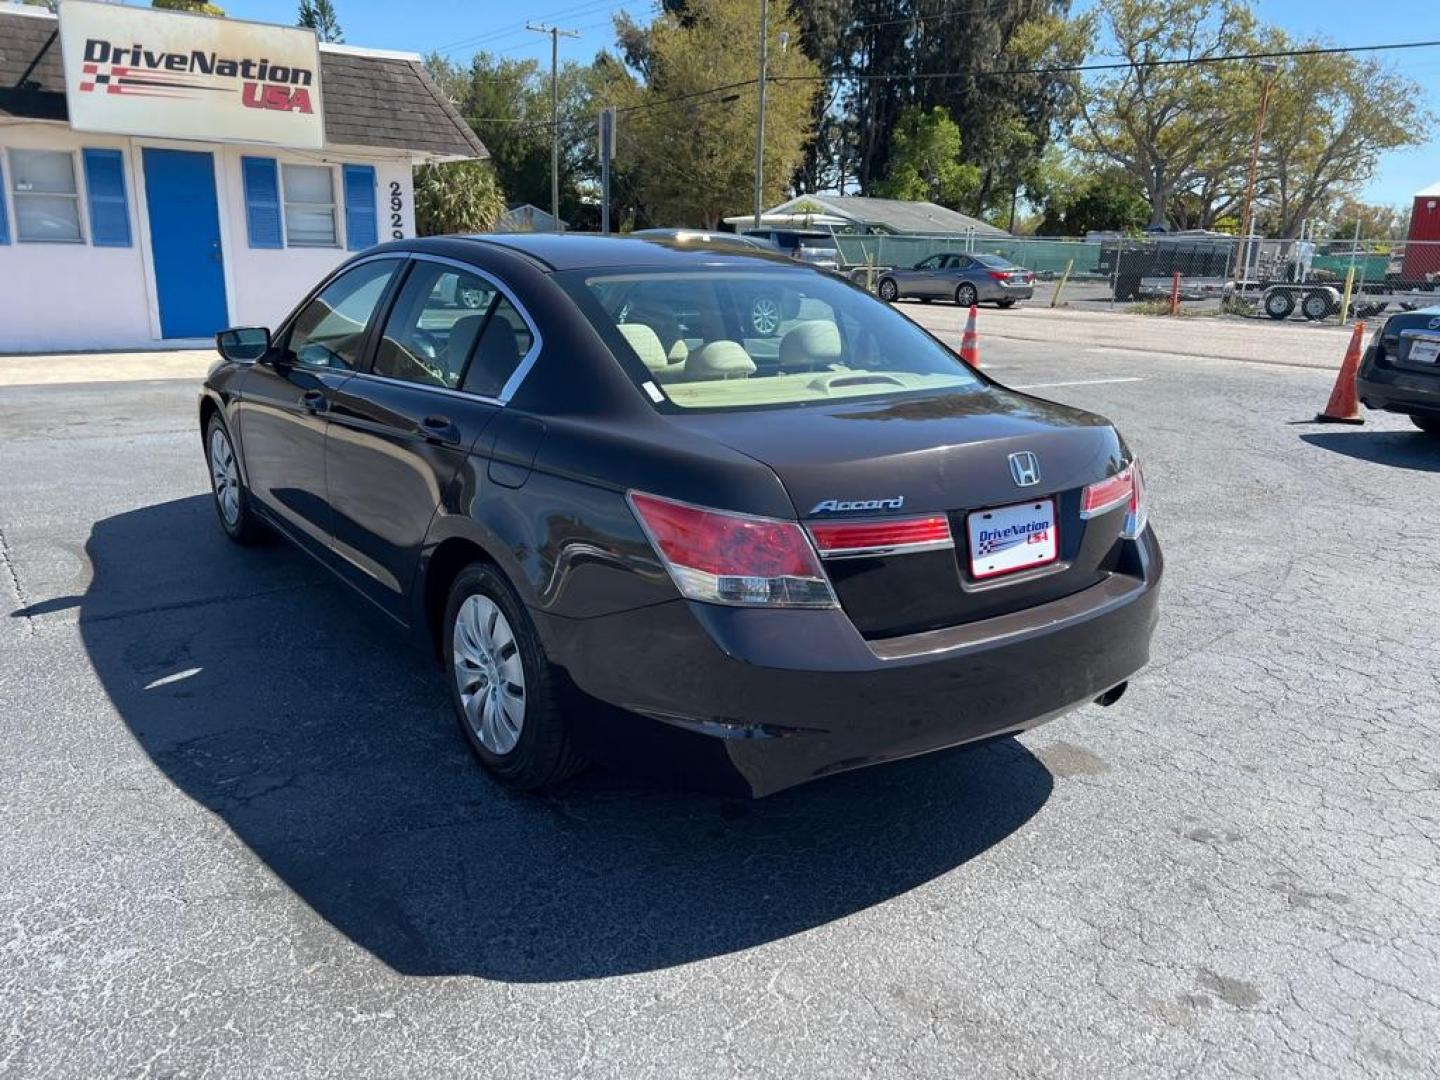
1400	371
966	279
630	526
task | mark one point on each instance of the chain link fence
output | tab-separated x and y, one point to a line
1314	278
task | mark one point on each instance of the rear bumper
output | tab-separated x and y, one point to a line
776	698
1397	389
997	291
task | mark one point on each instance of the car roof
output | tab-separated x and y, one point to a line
590	251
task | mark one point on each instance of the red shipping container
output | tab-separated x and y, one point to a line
1422	251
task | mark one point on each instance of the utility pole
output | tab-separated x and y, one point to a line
1268	72
607	155
760	124
555	35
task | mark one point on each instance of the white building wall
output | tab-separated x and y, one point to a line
74	297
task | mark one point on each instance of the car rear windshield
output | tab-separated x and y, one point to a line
719	339
995	262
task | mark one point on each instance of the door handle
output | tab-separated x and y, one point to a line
315	401
439	429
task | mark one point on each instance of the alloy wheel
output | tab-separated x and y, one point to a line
888	291
489	674
765	315
226	475
966	296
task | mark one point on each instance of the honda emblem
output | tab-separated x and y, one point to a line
1025	468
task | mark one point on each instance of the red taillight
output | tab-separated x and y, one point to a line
729	558
1000	275
1126	488
855	537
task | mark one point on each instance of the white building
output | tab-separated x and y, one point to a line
164	175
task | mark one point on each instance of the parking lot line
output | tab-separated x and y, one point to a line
1075	382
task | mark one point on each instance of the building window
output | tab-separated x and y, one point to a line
309	205
47	202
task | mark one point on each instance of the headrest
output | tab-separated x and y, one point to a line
718	360
461	340
810	344
646	344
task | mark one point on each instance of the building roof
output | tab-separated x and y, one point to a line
370	98
884	215
1431	192
527	217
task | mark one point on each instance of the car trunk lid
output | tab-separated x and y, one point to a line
947	455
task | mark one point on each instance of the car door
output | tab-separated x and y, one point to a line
285	402
924	279
958	270
400	430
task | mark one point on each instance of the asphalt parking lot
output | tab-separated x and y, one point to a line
241	836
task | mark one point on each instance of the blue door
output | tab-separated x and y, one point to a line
185	242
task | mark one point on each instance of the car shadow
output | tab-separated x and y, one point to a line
296	714
1401	449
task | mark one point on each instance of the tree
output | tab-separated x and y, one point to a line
925	160
194	7
692	150
1330	119
1373	220
1076	199
1172	126
319	15
507	102
457	197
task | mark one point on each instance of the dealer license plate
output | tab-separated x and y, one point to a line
1424	350
1011	538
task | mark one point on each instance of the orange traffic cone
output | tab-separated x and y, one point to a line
970	341
1344	406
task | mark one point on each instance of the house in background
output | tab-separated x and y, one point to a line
527	218
164	175
859	214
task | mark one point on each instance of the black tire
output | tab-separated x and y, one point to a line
1004	303
1280	304
966	295
887	290
544	754
1316	305
1428	423
237	518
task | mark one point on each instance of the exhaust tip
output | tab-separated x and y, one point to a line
1114	694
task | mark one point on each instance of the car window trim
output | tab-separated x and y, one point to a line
522	369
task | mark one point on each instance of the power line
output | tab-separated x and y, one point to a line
1070	69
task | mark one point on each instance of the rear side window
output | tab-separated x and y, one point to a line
433	328
504	342
330	329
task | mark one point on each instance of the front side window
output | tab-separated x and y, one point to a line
309	205
747	339
47	200
432	330
330	329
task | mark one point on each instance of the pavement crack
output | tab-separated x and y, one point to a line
20	594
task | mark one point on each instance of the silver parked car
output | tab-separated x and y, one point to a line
965	279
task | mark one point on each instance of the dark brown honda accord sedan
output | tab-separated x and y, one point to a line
631	522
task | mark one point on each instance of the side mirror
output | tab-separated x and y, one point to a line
243	344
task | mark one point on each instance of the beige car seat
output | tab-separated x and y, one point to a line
719	360
810	346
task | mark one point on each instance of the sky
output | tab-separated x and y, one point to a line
459	29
